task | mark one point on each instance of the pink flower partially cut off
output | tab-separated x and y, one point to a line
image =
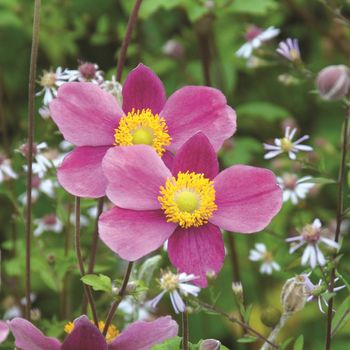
242	199
92	120
140	335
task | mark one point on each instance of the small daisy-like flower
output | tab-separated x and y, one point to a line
289	49
311	236
260	253
316	291
175	285
49	222
255	37
50	81
86	72
287	145
114	88
6	171
293	188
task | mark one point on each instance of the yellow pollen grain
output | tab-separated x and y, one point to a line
286	144
199	193
112	331
143	127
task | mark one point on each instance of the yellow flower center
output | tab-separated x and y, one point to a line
143	127
188	200
48	79
294	54
112	332
169	281
286	144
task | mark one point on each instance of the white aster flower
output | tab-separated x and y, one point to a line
86	72
311	236
175	285
114	88
316	291
133	310
50	81
6	171
287	145
255	37
293	188
46	186
49	222
260	253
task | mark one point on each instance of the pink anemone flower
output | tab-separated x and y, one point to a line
84	335
92	120
187	205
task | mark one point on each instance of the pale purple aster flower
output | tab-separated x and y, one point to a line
84	335
86	72
287	145
175	285
255	37
293	188
317	291
311	236
289	49
260	253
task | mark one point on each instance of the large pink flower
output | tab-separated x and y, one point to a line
187	205
139	335
92	120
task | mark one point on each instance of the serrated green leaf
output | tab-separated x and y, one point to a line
98	282
299	343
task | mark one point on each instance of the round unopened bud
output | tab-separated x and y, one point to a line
333	82
131	287
173	49
294	294
270	316
210	344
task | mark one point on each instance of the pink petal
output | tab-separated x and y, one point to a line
135	174
28	337
85	114
197	250
197	155
133	234
85	336
247	199
4	331
143	89
198	108
143	335
81	172
168	159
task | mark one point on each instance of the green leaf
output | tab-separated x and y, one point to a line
263	110
254	7
170	344
299	343
98	282
149	7
284	345
342	316
247	339
319	180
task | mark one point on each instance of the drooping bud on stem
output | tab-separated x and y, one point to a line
210	344
294	295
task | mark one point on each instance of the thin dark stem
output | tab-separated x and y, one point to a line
339	217
234	320
185	330
87	289
120	296
31	105
127	38
233	257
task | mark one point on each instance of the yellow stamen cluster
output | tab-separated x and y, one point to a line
112	332
169	281
286	144
48	79
188	200
143	127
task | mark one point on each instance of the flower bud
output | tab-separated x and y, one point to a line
333	82
237	289
210	344
173	49
270	316
294	294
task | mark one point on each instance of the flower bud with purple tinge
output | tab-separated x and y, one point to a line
333	82
210	344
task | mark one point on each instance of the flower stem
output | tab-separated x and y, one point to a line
30	135
87	289
233	257
185	330
127	38
120	296
234	320
339	217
